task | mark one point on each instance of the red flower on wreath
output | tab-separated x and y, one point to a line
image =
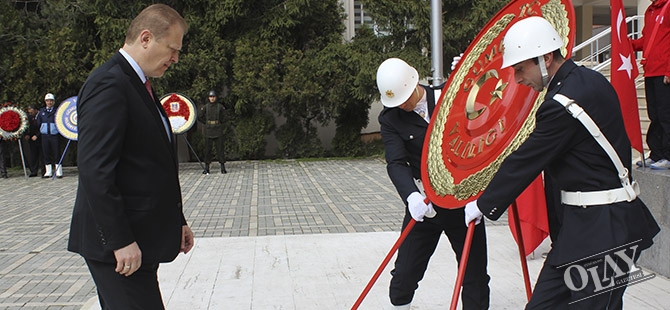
176	106
13	122
10	121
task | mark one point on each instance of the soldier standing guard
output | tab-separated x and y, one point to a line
212	116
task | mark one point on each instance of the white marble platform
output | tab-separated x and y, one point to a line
329	271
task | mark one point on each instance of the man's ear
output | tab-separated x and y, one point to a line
548	59
145	37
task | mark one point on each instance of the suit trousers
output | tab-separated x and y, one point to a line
35	161
419	246
140	291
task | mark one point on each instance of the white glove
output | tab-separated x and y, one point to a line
472	213
418	208
431	213
456	60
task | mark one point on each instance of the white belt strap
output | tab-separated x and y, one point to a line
597	197
630	191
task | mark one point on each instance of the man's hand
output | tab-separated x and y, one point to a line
472	213
456	60
418	208
187	238
128	259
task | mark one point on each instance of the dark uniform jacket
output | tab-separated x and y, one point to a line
128	174
562	147
212	115
47	121
403	134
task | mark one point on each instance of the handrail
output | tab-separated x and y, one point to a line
598	57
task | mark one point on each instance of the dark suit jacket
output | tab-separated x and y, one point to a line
128	172
403	134
573	161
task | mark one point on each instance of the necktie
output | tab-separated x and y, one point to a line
147	84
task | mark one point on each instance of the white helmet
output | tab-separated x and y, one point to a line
529	38
396	81
49	96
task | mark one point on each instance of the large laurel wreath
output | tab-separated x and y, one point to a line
13	122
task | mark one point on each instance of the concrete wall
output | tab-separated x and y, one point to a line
654	185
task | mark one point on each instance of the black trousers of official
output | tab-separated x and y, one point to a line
552	292
419	246
658	109
3	168
219	143
50	149
140	291
35	163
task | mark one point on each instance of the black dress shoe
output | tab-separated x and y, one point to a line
223	169
32	175
4	176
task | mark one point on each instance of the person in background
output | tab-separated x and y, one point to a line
32	136
3	168
580	143
46	119
212	115
404	121
128	214
656	63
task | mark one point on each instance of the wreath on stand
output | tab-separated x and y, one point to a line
13	122
181	112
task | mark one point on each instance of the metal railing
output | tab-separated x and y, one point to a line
599	46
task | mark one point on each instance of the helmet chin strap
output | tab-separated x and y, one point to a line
543	70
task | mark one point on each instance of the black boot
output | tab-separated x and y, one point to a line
206	171
223	169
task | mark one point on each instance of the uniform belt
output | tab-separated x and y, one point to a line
595	198
212	122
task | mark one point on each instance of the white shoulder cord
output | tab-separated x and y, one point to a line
577	112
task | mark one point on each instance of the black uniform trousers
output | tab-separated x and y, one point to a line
658	109
50	149
419	246
552	292
219	144
140	291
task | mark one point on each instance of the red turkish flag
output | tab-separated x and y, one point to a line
623	74
532	207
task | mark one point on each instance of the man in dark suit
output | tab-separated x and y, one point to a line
580	142
128	214
404	121
32	136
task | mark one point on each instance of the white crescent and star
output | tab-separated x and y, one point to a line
626	64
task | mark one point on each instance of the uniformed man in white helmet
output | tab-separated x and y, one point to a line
404	121
46	118
601	222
